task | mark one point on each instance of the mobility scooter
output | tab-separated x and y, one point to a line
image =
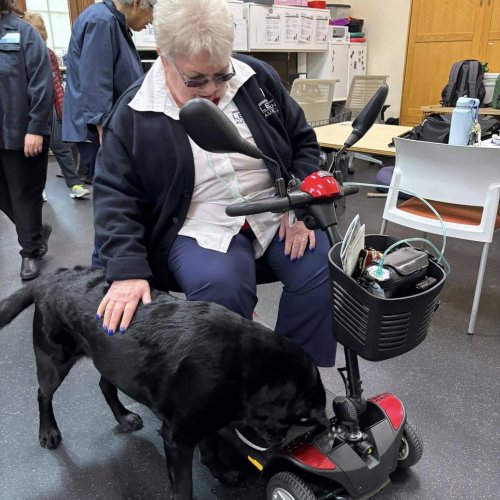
368	438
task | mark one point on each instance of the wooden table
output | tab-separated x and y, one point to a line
375	141
437	108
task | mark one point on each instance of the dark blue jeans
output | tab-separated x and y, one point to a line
304	314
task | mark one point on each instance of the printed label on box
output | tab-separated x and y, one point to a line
273	28
292	27
306	28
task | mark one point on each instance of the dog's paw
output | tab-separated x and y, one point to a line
49	438
131	422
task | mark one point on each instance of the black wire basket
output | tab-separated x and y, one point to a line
378	328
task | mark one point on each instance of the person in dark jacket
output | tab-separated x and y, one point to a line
159	199
25	125
62	151
102	62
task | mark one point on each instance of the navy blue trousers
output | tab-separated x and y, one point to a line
304	314
88	154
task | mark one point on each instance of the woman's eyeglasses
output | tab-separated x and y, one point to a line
193	83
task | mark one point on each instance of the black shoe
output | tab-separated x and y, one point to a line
44	247
30	268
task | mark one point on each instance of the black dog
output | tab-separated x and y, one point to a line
196	365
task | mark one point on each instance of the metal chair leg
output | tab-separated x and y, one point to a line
479	286
383	227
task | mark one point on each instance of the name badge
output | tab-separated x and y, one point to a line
11	38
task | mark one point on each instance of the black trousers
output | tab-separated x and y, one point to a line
21	184
64	155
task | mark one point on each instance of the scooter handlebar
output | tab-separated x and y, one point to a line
291	201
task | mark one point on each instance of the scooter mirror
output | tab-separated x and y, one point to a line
212	130
367	116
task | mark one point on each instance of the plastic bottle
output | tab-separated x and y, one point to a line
462	120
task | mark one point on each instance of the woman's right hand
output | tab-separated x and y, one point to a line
120	303
33	145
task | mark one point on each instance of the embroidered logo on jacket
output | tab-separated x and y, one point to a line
238	117
268	107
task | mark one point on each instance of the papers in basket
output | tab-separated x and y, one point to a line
354	242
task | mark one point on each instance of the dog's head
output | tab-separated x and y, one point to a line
289	404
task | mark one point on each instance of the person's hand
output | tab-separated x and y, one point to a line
120	303
33	145
296	238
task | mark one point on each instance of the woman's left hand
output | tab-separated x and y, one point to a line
33	145
296	238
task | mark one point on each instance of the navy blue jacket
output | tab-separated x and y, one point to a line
145	172
102	63
26	84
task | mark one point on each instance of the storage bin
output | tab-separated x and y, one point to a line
356	25
377	328
489	81
339	10
316	4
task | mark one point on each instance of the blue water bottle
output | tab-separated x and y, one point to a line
462	120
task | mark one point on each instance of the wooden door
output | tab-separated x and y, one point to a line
440	34
491	35
76	7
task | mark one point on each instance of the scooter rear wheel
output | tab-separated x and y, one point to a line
411	447
288	486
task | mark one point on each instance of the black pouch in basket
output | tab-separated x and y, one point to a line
403	269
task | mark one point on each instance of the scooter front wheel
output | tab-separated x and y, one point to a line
288	486
411	447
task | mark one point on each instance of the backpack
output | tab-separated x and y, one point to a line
466	79
495	103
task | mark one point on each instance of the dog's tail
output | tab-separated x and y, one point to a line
15	304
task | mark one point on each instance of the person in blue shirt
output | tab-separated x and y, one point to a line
102	62
25	125
159	199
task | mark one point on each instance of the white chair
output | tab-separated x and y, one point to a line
461	182
360	92
314	96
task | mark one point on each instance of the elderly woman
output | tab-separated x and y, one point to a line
159	199
25	124
102	63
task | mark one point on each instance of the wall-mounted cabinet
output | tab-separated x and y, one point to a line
262	28
287	29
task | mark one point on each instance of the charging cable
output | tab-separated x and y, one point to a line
440	253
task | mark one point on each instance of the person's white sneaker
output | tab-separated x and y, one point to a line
78	191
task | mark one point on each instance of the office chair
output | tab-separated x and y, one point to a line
360	92
461	182
314	96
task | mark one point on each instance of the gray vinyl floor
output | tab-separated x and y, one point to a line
449	384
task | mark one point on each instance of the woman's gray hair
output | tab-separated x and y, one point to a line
143	4
191	27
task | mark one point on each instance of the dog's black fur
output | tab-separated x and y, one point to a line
196	365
